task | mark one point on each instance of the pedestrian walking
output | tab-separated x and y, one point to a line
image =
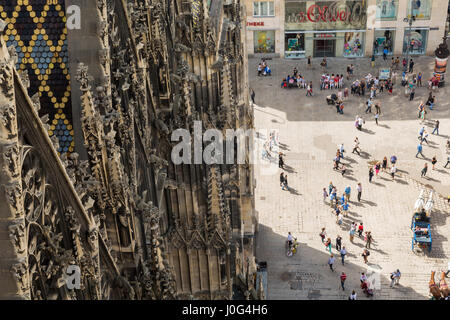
393	171
322	234
359	189
419	150
325	194
285	184
333	197
372	61
384	164
377	168
393	159
424	170
448	161
395	278
352	235
343	253
360	229
338	243
343	169
365	255
369	105
343	278
345	209
421	131
377	116
412	92
363	277
411	65
330	187
352	295
252	95
339	218
281	179
328	245
356	146
436	127
280	160
331	262
309	62
425	136
347	191
419	79
368	239
370	174
433	162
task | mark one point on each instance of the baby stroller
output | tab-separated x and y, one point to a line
331	99
367	291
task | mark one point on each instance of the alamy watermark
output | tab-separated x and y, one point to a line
73	277
239	146
73	16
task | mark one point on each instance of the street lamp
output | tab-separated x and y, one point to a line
410	21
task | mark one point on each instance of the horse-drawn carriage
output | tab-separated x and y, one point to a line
421	223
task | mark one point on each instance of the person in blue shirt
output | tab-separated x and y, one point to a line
385	52
347	193
345	208
393	159
419	150
421	131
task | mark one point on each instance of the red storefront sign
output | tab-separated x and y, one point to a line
325	13
255	24
325	35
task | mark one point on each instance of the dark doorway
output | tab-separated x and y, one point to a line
324	48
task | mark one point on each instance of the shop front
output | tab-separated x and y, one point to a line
264	41
324	28
384	39
417	40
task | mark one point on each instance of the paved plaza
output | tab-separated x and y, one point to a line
309	133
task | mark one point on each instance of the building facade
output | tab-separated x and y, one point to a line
135	225
298	28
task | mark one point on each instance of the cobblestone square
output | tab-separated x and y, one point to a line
309	133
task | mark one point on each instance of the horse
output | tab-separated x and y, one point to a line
443	286
434	290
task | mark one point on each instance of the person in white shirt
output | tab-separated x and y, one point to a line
359	189
331	262
352	296
356	147
339	218
290	239
363	277
393	171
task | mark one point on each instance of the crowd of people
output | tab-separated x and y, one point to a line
264	69
341	203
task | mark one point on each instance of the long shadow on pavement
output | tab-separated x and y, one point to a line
307	276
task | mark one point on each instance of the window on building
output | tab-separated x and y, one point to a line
387	9
353	44
417	41
421	9
264	41
263	9
384	39
294	45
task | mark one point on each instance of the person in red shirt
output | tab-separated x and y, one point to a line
360	229
343	278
